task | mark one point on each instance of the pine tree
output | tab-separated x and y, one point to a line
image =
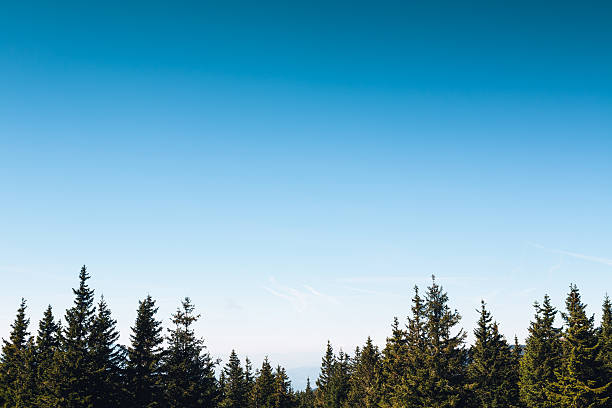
72	370
107	360
47	344
235	393
582	380
306	398
541	358
445	358
263	388
409	391
605	336
394	365
365	379
17	364
492	370
144	371
189	369
283	395
249	378
324	382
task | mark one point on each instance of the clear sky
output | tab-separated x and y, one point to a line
297	168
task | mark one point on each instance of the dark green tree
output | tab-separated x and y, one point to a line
262	395
605	336
235	392
107	360
189	369
283	394
366	376
582	380
144	370
492	372
445	357
17	364
306	398
47	344
409	392
394	365
72	368
541	357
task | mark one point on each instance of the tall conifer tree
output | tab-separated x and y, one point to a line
47	344
107	360
17	364
492	371
144	371
283	395
189	369
235	393
541	358
445	358
263	388
605	336
582	380
366	376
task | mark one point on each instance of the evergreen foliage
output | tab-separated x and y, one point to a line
188	368
80	364
17	363
492	371
582	380
234	387
541	358
144	370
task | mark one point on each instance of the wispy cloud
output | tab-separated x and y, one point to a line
590	258
301	298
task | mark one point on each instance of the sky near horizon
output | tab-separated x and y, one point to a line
297	168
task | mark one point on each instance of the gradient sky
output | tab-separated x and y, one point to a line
297	168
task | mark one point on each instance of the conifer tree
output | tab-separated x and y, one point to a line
283	395
72	370
107	360
541	358
249	378
263	388
306	398
605	336
17	364
445	358
47	344
492	370
409	392
582	380
189	369
394	365
235	393
144	371
365	379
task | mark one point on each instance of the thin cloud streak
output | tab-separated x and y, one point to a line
590	258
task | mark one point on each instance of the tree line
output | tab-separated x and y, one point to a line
77	362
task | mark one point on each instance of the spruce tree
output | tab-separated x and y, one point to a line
107	360
605	336
144	371
445	357
283	395
47	344
72	369
492	369
17	364
249	378
541	357
366	375
409	392
582	380
189	369
263	387
235	393
394	365
306	398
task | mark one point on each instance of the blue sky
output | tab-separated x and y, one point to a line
297	169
